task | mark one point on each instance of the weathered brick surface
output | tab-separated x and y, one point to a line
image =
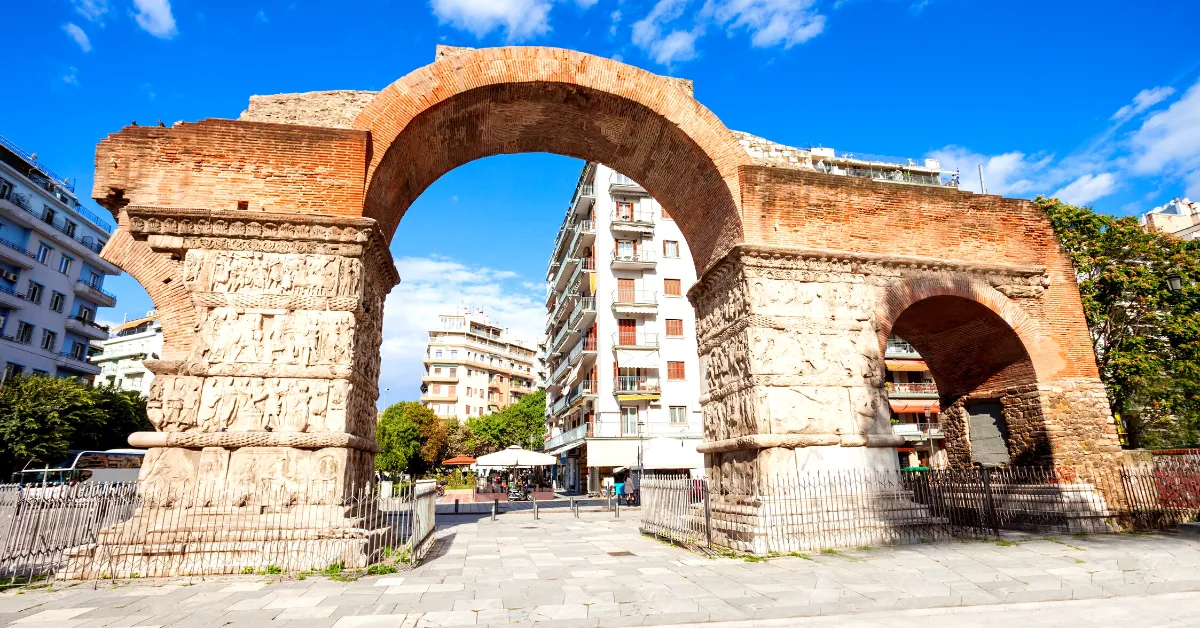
227	164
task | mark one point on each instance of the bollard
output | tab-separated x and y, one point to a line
495	507
535	511
456	505
617	509
575	507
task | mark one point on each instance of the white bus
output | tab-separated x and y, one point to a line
113	465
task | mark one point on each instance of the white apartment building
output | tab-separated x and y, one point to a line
473	367
51	273
1180	217
121	356
624	382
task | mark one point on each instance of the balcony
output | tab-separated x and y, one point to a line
636	385
444	377
634	301
897	348
10	299
566	438
586	346
911	390
16	254
95	294
564	272
635	340
632	260
585	197
918	431
585	235
583	313
86	328
636	220
585	388
76	360
440	397
621	184
558	374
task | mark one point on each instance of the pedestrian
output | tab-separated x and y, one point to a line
619	486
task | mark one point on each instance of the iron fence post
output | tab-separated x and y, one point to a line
989	505
707	513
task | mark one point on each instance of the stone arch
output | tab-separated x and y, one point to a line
980	348
477	103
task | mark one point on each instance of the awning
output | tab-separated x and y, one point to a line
649	397
905	365
630	359
573	373
672	453
612	452
915	406
565	448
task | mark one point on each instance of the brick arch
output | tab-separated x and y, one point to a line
162	277
972	337
493	101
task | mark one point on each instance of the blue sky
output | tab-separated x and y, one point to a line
1096	101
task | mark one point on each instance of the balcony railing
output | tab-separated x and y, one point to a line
585	226
95	289
632	384
587	263
582	304
634	297
6	290
585	344
585	190
643	256
640	340
641	217
18	248
918	429
586	387
897	347
90	323
35	163
560	370
912	388
566	438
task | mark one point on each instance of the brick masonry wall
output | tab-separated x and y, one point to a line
227	164
333	109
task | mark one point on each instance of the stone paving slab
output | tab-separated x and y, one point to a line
599	571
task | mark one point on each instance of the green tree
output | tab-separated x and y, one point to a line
411	439
120	413
39	417
1146	339
522	423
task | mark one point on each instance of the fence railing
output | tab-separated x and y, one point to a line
838	509
118	530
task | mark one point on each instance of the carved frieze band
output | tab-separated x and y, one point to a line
236	440
176	221
796	441
197	369
275	301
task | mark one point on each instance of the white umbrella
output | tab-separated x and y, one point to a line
514	456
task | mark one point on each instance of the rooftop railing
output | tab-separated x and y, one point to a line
36	164
895	346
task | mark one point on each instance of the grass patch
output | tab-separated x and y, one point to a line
270	570
830	551
1005	543
1079	562
799	555
865	548
380	569
1080	535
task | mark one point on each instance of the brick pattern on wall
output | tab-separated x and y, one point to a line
227	164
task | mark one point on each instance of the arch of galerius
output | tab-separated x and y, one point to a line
263	242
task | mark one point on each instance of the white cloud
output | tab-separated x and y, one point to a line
677	45
262	17
80	37
519	19
1168	142
1088	188
91	10
71	76
154	16
436	285
1012	173
770	22
1144	100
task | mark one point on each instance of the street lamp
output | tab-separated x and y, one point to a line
1174	283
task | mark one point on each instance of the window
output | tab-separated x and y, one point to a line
665	215
69	227
43	252
5	188
469	391
57	300
625	211
24	332
437	370
437	389
670	248
675	371
95	280
437	353
468	409
64	264
49	338
679	414
453	371
629	420
134	380
34	293
77	349
453	389
674	328
88	314
11	370
454	353
672	288
481	393
48	214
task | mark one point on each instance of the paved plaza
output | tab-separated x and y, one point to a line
598	571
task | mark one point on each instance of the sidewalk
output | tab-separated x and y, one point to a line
598	571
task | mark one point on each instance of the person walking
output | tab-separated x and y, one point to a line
619	489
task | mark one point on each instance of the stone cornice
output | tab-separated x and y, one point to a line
796	441
795	258
234	440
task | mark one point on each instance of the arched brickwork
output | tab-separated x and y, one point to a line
516	100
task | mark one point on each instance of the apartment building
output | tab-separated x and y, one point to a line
915	406
121	357
473	367
51	273
1180	217
624	382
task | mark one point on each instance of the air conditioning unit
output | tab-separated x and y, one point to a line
10	276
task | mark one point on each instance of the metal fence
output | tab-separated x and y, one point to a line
838	509
122	530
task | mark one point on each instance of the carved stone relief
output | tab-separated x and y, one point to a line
272	273
231	335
